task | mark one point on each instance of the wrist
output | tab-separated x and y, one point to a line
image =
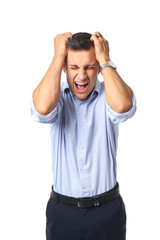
109	64
58	60
57	64
104	60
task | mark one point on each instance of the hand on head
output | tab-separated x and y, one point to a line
101	48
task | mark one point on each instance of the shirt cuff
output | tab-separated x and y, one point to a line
121	117
49	118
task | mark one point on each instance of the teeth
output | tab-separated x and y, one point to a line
81	83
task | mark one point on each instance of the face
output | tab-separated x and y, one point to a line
81	70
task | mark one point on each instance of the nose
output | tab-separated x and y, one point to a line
82	74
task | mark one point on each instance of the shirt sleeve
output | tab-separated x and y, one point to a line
53	116
121	117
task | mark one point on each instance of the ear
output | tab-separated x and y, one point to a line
99	68
64	68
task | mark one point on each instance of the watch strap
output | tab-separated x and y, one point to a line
108	64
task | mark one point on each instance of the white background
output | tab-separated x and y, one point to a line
26	48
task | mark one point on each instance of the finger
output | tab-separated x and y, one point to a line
98	34
68	35
94	38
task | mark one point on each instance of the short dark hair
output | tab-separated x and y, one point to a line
79	41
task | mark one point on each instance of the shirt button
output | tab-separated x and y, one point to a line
84	190
81	125
81	147
82	169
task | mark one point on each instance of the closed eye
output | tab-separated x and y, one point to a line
90	67
73	66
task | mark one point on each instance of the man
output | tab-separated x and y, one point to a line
84	115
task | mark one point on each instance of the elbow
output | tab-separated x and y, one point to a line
44	109
40	107
41	110
124	107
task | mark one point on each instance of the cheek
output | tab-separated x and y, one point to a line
93	78
71	76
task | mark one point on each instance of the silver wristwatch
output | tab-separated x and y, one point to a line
108	64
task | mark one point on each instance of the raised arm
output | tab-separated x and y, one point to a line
47	93
118	94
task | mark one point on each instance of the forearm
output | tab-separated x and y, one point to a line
47	94
118	94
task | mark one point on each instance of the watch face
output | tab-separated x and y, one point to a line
112	65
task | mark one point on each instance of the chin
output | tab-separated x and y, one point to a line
83	96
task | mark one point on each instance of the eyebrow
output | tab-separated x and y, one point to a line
89	65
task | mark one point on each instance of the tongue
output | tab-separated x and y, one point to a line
80	87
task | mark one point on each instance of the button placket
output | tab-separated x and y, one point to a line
81	146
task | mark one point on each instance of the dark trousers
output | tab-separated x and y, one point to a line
69	222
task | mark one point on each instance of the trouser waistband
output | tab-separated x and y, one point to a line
90	201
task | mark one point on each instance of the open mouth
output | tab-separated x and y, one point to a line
81	87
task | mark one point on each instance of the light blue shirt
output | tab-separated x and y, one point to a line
84	136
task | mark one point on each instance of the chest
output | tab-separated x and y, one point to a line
84	116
